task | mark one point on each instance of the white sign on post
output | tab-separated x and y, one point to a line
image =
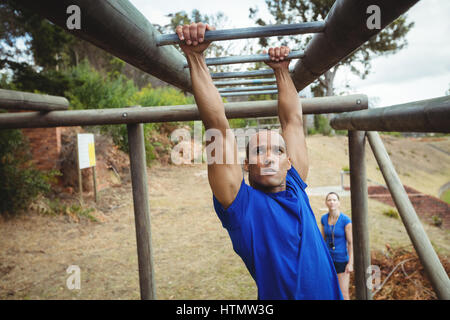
86	150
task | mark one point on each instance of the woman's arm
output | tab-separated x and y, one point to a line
348	236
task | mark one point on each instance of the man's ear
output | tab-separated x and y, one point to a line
290	163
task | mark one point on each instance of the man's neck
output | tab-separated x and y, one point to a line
271	189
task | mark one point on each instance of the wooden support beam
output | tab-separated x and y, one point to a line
141	210
428	257
431	115
359	198
19	100
246	109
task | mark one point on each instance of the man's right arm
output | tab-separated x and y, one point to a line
224	178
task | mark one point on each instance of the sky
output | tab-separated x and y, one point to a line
420	71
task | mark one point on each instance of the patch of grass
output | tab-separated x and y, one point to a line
446	196
83	212
392	213
437	220
394	134
341	132
56	207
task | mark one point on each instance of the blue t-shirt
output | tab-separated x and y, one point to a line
340	253
277	237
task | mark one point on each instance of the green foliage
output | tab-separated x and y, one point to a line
87	88
446	196
388	41
437	220
392	213
26	78
341	132
237	123
322	125
92	90
56	207
163	96
394	134
20	181
49	44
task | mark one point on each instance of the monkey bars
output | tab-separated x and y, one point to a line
119	28
253	32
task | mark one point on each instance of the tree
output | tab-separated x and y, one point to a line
388	41
34	50
48	43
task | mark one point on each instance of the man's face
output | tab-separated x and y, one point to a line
267	162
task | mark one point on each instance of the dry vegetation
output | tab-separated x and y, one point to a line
193	256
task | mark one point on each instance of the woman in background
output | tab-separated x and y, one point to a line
337	232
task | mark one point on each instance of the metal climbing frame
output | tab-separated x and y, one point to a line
119	28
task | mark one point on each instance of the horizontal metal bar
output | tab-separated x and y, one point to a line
247	109
248	93
246	59
431	115
253	88
242	74
253	32
18	100
244	81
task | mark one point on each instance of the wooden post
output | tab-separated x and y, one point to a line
141	210
428	257
80	182
94	177
359	196
305	124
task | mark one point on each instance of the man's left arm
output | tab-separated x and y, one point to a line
290	111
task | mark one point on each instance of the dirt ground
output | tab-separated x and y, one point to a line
193	256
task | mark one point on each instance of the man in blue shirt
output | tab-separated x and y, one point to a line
270	223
